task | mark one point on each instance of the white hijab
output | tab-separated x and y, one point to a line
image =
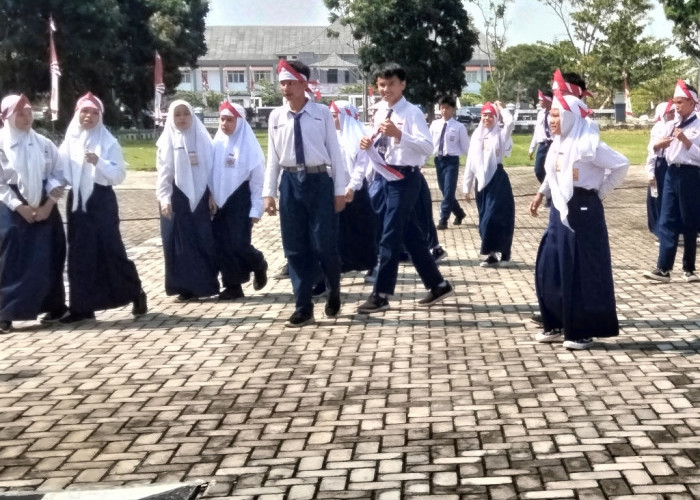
486	148
80	174
177	144
350	133
243	148
578	141
24	150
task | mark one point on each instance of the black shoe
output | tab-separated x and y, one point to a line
458	219
658	275
5	327
442	225
76	317
374	303
260	277
232	293
490	261
140	304
54	316
332	305
319	289
184	297
404	257
297	320
536	318
283	272
438	253
436	294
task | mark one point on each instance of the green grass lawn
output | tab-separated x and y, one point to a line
141	155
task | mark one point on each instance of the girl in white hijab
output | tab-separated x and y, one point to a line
656	164
33	253
573	273
184	162
236	203
489	144
100	274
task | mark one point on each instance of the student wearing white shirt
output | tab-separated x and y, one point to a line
680	206
404	144
33	250
542	136
656	164
573	280
450	140
303	145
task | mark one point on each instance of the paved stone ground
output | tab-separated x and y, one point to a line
453	402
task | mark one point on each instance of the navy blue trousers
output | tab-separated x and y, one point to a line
236	255
32	257
447	170
309	233
424	212
401	227
680	214
540	157
188	248
496	208
654	203
573	271
100	274
357	236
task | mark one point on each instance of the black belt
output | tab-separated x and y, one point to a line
405	168
546	141
317	169
448	156
683	165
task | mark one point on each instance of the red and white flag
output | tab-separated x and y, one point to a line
160	89
251	82
205	87
628	101
55	72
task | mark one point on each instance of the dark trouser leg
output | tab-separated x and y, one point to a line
669	223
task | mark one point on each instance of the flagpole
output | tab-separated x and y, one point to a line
55	73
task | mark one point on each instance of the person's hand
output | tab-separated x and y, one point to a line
663	143
531	155
213	207
26	212
43	212
678	134
339	203
389	129
57	192
535	204
254	220
349	195
91	157
365	143
652	182
166	210
270	205
499	104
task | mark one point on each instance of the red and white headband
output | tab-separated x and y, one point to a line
228	109
566	88
90	100
682	90
489	108
543	97
287	72
13	103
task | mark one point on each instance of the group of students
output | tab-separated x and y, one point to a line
33	176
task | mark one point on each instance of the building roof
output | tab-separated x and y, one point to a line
333	61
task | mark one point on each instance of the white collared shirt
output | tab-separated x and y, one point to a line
540	133
676	151
456	138
416	144
320	145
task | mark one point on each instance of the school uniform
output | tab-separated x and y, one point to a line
184	162
541	140
100	274
32	255
656	167
312	175
573	276
494	194
236	183
450	140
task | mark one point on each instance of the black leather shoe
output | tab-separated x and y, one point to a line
333	305
140	304
297	320
232	293
5	327
260	277
374	303
458	219
442	225
436	294
54	316
76	317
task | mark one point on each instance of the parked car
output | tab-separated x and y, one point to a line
463	115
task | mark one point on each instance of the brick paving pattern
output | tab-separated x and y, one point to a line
455	402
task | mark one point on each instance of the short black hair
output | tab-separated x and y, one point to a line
301	68
575	78
389	70
449	100
547	93
690	87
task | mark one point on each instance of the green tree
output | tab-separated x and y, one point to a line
431	39
493	14
270	94
685	15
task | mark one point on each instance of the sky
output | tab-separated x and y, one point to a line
529	20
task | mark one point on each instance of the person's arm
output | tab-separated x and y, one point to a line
338	170
255	181
110	164
463	140
616	166
55	178
7	195
272	171
415	135
165	165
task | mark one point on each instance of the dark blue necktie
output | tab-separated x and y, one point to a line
441	148
383	142
298	139
547	130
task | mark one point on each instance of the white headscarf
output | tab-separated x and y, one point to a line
242	147
80	174
578	142
177	144
350	133
24	150
485	149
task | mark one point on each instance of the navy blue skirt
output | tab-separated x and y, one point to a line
496	208
573	271
100	274
654	203
357	233
236	256
32	257
188	248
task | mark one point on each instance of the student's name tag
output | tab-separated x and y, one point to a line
574	171
230	160
194	161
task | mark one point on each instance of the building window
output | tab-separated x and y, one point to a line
472	76
186	76
332	76
236	77
347	76
259	76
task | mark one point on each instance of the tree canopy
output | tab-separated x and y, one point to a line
105	46
431	39
685	15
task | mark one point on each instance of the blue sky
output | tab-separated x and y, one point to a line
530	20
